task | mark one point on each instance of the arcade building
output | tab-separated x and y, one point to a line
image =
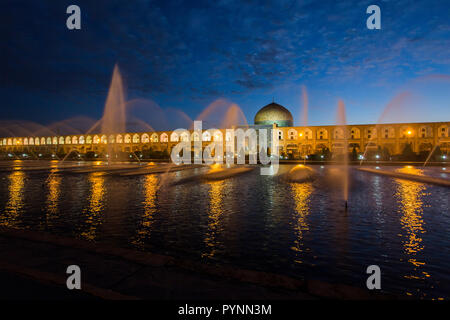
295	142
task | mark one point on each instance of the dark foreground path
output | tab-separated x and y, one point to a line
33	266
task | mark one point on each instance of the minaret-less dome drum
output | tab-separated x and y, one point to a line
274	113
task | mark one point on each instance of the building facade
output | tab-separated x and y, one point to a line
294	141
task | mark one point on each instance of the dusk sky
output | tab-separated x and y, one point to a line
187	54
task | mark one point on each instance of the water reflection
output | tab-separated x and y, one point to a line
15	204
214	216
411	206
96	205
149	203
301	193
54	190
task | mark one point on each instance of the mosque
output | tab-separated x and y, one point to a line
295	142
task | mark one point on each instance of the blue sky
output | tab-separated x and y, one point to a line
187	54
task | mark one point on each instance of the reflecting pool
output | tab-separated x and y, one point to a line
252	221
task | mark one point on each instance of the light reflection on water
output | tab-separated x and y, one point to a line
410	195
54	192
93	213
15	204
216	194
145	229
301	193
252	221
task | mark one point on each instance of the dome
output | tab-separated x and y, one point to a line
274	113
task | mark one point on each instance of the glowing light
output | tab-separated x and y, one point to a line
301	193
15	202
301	134
215	168
409	132
216	194
377	156
409	194
145	230
96	205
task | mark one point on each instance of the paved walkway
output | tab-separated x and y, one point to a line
33	266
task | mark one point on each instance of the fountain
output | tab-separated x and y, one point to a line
395	108
341	122
113	120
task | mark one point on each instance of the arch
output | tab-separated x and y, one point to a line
88	140
30	141
292	134
218	136
25	141
164	137
355	133
443	131
49	140
145	138
127	138
96	139
185	136
10	142
406	132
111	139
61	140
81	140
195	136
55	140
370	132
306	134
104	139
174	137
339	133
280	135
388	132
119	138
154	137
322	134
68	140
136	138
206	136
37	141
425	132
74	140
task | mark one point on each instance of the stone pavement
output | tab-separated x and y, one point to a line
33	266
